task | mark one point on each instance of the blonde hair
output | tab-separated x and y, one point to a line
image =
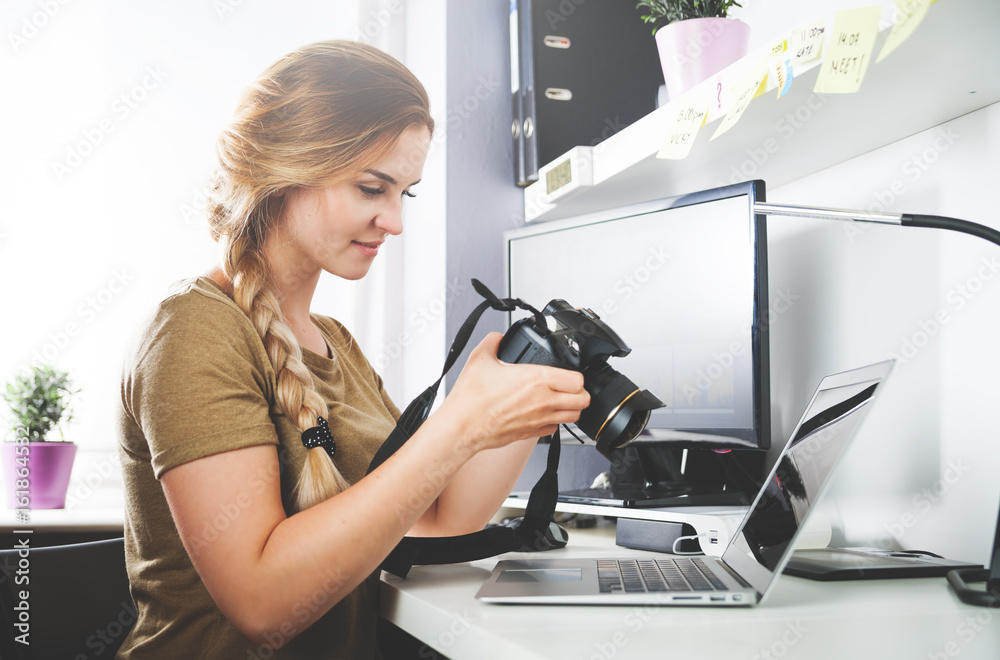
318	115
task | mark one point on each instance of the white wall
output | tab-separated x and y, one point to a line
921	474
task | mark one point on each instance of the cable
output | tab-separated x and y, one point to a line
674	550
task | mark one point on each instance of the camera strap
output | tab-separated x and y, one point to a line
526	534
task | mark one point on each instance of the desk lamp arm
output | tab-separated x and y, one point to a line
903	219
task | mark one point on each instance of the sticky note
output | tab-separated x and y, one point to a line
692	111
909	14
747	90
781	66
783	73
807	42
778	48
721	94
848	51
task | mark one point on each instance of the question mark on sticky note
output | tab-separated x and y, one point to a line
718	97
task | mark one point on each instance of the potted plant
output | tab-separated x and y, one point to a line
695	38
36	466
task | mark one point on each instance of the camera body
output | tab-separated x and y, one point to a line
577	339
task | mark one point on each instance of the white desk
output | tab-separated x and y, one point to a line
884	619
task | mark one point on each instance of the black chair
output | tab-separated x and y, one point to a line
78	605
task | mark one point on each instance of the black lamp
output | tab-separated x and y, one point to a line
959	579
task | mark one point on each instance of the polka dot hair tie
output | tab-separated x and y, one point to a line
319	436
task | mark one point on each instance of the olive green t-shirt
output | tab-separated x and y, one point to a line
199	383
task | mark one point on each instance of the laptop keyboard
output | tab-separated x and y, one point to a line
655	575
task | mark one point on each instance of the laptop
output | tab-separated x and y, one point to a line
748	568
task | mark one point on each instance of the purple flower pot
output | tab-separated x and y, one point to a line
39	476
698	48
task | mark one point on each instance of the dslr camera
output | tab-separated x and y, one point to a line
570	338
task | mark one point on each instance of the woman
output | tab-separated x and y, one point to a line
241	541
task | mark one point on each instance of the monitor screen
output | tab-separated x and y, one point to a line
683	281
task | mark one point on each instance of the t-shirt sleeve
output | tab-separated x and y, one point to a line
200	383
386	399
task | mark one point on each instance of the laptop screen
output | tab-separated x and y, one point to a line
763	543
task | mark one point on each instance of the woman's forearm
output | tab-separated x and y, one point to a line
477	491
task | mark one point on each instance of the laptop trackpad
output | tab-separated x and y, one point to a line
541	575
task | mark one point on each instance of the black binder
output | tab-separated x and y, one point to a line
580	72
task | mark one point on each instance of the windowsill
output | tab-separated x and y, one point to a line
95	499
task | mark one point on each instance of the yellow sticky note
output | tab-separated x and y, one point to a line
849	51
807	42
748	89
909	14
691	114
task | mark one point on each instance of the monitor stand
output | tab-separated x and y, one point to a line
647	475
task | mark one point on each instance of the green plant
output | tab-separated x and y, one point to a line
40	400
662	12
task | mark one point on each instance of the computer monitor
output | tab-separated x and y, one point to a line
683	281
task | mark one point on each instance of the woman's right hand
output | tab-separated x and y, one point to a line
499	403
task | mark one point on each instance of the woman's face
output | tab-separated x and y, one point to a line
339	228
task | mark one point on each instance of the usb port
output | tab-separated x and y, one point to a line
718	598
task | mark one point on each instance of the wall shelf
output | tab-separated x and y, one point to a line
949	67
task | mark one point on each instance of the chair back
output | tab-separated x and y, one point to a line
78	601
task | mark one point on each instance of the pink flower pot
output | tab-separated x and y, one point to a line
696	49
41	475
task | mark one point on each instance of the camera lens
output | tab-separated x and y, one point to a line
618	409
636	423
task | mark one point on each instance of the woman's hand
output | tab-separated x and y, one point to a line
500	403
